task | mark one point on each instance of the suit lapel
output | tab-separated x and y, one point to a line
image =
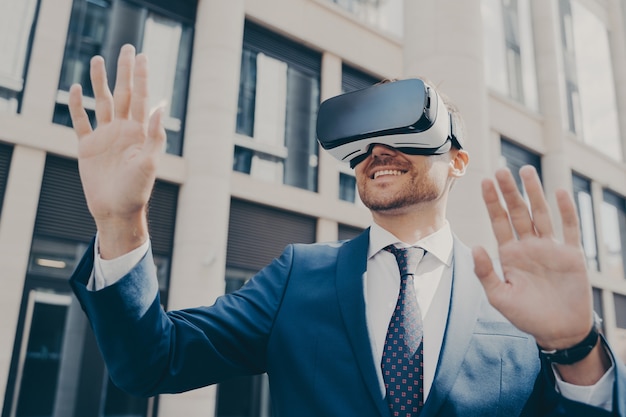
351	265
462	315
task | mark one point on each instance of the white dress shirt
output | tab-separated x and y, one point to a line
432	280
433	284
381	282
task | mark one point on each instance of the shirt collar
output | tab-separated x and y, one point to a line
438	244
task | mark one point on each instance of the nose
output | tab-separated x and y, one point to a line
379	150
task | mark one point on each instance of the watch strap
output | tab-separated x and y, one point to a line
575	353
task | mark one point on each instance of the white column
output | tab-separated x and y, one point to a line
198	262
44	69
556	168
617	33
328	175
443	42
328	169
16	230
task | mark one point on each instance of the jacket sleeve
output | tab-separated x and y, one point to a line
148	351
546	402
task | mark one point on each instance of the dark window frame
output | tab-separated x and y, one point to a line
303	63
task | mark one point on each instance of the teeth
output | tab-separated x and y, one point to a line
387	172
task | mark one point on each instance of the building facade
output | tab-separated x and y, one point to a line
539	82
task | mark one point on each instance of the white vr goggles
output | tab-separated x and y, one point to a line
407	115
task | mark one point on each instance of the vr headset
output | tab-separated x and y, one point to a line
407	115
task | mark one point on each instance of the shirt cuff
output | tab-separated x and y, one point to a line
598	395
107	272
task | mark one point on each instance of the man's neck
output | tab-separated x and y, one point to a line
410	226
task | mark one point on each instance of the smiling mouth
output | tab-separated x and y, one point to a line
393	172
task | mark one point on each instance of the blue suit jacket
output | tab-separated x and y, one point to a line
302	320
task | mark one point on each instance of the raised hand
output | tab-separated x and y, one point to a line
117	160
546	290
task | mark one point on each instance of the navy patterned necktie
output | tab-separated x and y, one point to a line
402	360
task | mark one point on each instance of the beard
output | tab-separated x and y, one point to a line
417	188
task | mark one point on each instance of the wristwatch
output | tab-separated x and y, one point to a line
577	352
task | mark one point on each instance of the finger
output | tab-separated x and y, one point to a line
156	133
124	81
569	218
483	268
515	203
500	222
540	211
80	120
139	98
102	94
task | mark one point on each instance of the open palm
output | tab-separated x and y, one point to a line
546	290
117	160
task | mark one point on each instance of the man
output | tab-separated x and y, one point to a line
316	318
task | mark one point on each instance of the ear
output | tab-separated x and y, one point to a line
458	163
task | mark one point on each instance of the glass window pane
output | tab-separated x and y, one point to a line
620	310
516	157
527	53
16	25
302	148
598	305
614	234
86	35
277	106
584	204
100	27
513	53
247	93
161	40
168	45
347	187
386	15
494	45
6	152
619	339
509	52
271	101
595	82
242	162
267	168
42	356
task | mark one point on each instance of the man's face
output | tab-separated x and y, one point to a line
389	180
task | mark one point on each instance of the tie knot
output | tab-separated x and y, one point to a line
407	258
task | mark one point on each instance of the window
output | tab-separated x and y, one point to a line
17	25
613	216
41	353
620	333
509	52
386	15
53	339
278	102
163	30
351	79
5	162
584	205
598	305
589	82
516	157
